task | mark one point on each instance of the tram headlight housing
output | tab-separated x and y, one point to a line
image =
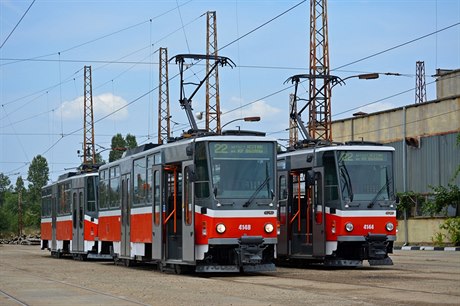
269	228
389	226
220	228
349	227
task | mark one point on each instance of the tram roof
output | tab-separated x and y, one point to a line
354	147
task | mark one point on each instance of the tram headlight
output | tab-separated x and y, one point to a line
220	228
389	226
269	228
349	226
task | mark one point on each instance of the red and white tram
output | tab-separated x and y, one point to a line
205	204
69	221
337	205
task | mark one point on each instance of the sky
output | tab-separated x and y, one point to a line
45	45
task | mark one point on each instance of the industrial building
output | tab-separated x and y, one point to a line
425	138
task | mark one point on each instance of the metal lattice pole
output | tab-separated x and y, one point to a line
89	152
212	83
420	85
319	124
163	98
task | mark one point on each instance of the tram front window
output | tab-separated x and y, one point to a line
365	176
241	170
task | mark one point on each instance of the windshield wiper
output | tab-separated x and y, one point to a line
374	200
248	202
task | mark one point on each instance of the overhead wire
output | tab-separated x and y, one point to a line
97	39
367	104
281	90
25	13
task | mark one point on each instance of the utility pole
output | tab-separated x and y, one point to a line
163	98
20	212
319	123
212	82
89	152
420	85
293	133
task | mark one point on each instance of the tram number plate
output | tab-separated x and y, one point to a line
368	226
244	227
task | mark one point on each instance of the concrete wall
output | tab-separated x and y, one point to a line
420	231
447	83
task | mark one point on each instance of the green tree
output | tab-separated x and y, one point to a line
38	176
131	142
120	144
9	213
443	197
4	187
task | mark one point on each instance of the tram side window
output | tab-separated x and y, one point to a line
331	186
201	171
188	198
156	198
68	200
283	195
46	202
91	194
65	201
114	188
148	190
283	188
140	182
103	190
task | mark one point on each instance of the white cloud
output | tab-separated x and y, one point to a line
259	108
103	105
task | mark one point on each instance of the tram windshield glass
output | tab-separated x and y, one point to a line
365	176
242	170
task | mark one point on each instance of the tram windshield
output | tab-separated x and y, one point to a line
365	176
242	170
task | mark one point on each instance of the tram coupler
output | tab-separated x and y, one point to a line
377	246
250	249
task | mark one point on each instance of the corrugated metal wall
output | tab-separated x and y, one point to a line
433	163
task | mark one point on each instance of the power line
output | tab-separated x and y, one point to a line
400	45
17	23
364	58
99	38
262	25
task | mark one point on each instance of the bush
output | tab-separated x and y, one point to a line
443	197
452	227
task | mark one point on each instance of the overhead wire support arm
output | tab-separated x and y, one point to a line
186	102
297	115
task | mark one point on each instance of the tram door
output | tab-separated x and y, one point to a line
173	214
283	194
78	219
188	213
158	210
319	224
125	217
53	217
300	214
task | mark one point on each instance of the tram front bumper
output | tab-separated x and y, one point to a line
250	254
250	249
377	248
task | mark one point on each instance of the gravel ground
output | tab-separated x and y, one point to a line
33	277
